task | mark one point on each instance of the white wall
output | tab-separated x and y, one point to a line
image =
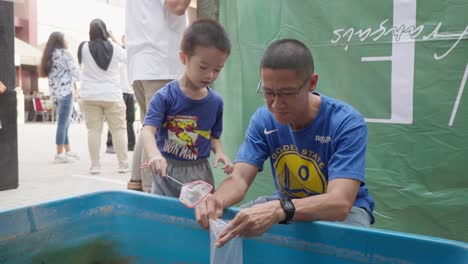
73	17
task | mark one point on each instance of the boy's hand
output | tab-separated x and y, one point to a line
3	88
158	164
228	166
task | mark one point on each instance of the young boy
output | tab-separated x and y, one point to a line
184	119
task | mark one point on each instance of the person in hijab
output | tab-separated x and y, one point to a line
101	95
60	69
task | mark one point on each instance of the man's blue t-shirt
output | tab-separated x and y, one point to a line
303	162
185	126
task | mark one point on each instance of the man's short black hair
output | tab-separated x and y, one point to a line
289	54
206	33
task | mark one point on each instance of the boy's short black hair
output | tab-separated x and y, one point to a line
289	54
206	33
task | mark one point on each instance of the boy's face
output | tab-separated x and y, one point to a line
204	66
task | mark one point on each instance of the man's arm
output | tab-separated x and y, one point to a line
231	191
331	206
334	205
176	7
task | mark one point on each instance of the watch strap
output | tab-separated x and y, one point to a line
288	208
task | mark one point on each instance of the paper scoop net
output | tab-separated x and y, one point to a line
192	193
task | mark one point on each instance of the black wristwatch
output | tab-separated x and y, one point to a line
288	208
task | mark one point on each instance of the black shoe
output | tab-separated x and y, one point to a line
131	148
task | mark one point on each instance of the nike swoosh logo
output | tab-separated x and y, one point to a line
268	132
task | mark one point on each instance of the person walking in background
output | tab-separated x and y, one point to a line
129	100
185	118
57	64
153	33
101	95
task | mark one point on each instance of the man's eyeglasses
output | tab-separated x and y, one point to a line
288	93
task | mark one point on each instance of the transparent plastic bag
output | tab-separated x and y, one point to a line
231	252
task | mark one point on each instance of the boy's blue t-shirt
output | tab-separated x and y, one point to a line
303	162
185	126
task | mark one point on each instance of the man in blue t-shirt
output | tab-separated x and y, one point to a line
316	146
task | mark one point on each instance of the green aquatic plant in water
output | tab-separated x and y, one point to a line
98	251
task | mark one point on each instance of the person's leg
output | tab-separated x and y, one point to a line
115	116
150	87
140	97
94	117
61	138
183	171
130	116
164	185
68	111
358	217
135	180
61	120
144	90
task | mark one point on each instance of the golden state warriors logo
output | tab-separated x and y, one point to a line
299	175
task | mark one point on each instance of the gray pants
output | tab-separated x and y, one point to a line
183	171
357	217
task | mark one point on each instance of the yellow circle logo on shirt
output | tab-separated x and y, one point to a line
298	175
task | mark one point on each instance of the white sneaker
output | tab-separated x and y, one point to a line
72	154
123	168
95	169
62	158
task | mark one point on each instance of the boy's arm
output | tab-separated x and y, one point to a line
155	158
220	156
216	146
3	88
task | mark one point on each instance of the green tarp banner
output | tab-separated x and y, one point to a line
403	64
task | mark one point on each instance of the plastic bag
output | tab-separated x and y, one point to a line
231	252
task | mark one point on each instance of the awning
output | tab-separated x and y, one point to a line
26	53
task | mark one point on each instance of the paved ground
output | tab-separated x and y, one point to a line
40	180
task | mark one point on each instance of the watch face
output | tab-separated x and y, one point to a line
288	205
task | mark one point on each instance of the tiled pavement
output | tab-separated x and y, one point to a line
40	180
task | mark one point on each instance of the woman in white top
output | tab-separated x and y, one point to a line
57	64
101	95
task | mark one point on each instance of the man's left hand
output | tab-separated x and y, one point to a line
252	221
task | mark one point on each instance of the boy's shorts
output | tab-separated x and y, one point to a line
183	171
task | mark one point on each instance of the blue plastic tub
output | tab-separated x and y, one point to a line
130	227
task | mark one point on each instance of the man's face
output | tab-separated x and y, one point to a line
286	95
204	66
